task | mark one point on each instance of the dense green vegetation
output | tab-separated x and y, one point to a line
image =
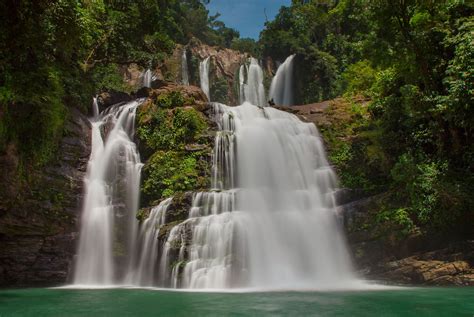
57	54
414	60
176	152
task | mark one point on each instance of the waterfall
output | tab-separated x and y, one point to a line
270	221
147	78
184	68
242	71
204	76
95	107
111	197
144	271
281	88
253	90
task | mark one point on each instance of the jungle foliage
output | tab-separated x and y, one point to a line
57	54
414	61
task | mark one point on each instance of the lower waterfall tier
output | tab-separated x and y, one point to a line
270	222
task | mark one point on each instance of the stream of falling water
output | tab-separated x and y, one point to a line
251	87
281	88
147	78
111	195
204	76
184	68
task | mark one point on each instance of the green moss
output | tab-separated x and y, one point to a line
171	69
172	99
169	172
219	90
165	230
163	129
179	265
193	69
143	213
176	162
353	145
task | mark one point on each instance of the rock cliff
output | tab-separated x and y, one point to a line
39	212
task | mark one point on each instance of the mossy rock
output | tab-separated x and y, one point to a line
176	144
165	230
220	90
169	129
143	213
179	207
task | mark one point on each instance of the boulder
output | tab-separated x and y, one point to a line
112	97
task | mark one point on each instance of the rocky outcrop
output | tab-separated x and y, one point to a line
191	93
38	217
132	75
176	213
453	265
413	259
109	98
226	61
223	72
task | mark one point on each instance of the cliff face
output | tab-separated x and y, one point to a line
38	214
426	259
223	70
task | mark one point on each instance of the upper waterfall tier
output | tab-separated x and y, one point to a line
184	68
251	87
204	76
147	78
281	89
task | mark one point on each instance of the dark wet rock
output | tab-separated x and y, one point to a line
287	109
195	147
178	210
418	259
109	98
143	92
38	224
347	196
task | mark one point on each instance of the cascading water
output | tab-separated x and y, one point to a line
281	88
144	271
95	108
184	68
147	78
111	196
270	221
204	76
252	90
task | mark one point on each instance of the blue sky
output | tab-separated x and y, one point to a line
246	16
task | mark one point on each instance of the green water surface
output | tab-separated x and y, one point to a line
142	302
